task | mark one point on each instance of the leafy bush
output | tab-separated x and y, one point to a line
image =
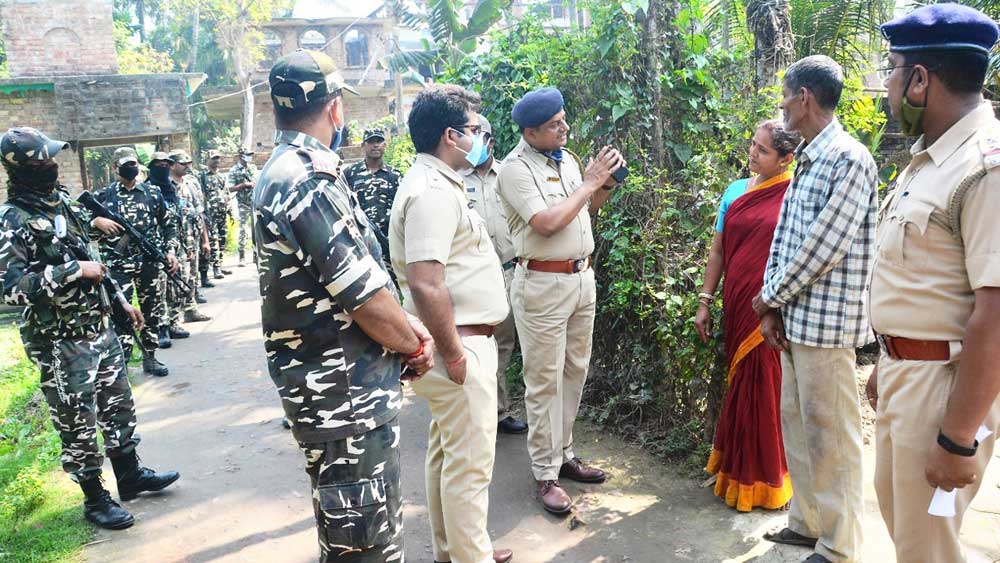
399	152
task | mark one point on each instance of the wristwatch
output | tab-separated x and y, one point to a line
951	447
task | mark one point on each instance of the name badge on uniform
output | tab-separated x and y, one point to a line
60	226
553	178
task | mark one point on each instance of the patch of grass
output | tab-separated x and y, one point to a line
231	240
40	516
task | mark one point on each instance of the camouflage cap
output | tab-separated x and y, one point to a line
373	133
485	124
212	154
124	155
21	144
303	76
246	152
180	156
159	155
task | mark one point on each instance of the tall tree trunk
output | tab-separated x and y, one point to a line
774	46
652	46
140	12
246	125
195	32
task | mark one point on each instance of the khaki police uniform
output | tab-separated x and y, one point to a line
484	193
922	289
433	220
554	312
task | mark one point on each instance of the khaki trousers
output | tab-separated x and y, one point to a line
505	336
911	405
460	452
554	314
821	427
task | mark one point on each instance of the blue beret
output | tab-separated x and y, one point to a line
941	27
537	107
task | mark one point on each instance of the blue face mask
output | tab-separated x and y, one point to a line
478	154
337	138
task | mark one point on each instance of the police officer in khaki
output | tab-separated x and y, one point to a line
451	279
548	198
935	290
483	191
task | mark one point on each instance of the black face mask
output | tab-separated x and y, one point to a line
41	179
128	172
159	175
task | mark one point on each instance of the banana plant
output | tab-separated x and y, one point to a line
451	39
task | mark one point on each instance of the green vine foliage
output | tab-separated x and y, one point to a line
652	377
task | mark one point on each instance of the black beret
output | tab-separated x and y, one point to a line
941	27
537	107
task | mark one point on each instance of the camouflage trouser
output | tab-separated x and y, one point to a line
217	237
144	281
86	385
356	496
244	228
177	300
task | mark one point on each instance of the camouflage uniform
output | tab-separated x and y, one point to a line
238	174
216	201
376	191
190	190
144	208
66	331
180	211
320	260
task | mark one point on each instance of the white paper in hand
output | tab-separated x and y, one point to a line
943	502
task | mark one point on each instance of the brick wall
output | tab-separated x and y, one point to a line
122	106
58	37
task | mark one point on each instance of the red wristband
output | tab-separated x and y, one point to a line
418	353
456	362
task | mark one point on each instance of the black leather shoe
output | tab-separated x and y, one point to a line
100	509
153	366
163	337
226	272
134	479
178	332
511	425
205	282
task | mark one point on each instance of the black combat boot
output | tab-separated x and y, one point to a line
153	366
101	509
205	282
163	337
217	273
176	331
195	316
199	299
134	479
225	272
242	260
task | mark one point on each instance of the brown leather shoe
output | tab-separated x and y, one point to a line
578	471
499	556
553	497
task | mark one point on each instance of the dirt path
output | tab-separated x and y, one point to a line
244	497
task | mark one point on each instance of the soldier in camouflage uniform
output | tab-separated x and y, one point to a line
375	183
66	328
195	239
197	242
242	177
213	185
174	298
333	328
142	205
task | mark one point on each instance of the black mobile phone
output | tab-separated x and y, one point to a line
620	174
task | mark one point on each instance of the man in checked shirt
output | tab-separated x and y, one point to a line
812	307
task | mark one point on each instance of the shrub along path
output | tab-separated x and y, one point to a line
244	497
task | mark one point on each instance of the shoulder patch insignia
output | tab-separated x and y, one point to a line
322	163
991	152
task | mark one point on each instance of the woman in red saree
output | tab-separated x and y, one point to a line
748	458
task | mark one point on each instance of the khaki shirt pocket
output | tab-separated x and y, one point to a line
905	242
478	227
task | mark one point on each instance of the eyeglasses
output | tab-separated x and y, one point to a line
475	129
886	71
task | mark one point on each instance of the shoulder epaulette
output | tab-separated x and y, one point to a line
322	163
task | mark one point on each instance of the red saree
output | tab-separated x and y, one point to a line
748	458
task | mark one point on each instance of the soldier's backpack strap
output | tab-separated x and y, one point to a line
956	200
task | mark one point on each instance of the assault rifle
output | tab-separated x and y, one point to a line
87	200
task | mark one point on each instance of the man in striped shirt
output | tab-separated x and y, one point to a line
812	307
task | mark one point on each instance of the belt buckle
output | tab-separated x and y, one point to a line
581	265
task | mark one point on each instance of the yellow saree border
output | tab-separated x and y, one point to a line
745	498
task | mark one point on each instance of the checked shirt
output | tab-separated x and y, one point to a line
823	249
